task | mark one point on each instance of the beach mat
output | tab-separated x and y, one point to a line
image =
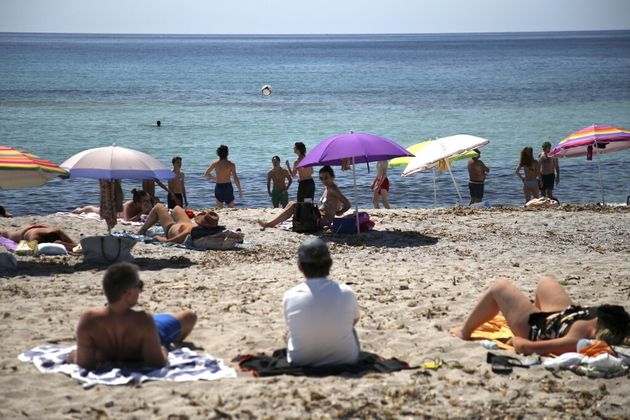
184	365
261	365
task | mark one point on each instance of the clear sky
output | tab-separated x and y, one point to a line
310	16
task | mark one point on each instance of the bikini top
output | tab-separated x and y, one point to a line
549	325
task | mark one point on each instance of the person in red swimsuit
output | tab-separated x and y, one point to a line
380	186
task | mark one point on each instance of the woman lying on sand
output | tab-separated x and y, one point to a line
41	234
333	202
552	324
132	209
178	226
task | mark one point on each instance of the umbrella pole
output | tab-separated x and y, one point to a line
434	189
448	166
356	201
599	172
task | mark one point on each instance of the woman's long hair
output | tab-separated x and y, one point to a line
527	157
613	324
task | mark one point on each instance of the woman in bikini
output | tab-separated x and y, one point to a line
41	234
333	202
552	324
132	210
531	170
178	225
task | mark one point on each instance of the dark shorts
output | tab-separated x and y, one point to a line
172	203
224	193
279	197
548	181
476	190
168	328
306	189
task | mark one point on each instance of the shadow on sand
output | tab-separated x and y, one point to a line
39	268
383	239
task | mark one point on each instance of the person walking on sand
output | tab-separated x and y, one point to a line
280	193
380	186
531	174
224	171
549	171
320	313
177	186
118	334
306	185
477	171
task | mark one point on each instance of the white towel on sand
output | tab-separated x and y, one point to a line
184	365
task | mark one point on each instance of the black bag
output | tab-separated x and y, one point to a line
306	218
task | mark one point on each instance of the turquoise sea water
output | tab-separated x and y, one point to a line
60	94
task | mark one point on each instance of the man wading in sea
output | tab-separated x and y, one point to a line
224	170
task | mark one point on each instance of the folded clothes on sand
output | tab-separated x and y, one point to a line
277	364
8	244
495	330
184	365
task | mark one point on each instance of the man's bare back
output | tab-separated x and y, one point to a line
105	336
223	170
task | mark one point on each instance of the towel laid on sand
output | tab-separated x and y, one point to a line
495	330
184	365
8	244
277	364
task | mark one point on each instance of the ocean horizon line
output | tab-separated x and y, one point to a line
316	35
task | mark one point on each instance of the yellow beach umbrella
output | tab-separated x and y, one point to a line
416	149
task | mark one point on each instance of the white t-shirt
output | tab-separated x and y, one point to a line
320	314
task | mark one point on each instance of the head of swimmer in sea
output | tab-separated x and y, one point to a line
142	199
527	157
613	323
327	176
275	161
299	148
222	152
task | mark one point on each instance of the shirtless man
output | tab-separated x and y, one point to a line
118	334
380	186
224	170
477	171
178	226
333	202
549	171
41	234
280	193
306	185
176	187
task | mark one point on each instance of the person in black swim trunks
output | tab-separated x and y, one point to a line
178	226
224	170
477	171
552	324
549	171
306	185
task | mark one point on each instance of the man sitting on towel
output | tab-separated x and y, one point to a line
320	313
118	334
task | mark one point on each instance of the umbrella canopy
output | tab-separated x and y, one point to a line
443	148
361	147
20	169
354	148
598	138
115	162
416	149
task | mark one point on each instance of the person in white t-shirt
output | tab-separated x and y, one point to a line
320	313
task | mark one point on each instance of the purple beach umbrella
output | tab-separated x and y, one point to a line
357	148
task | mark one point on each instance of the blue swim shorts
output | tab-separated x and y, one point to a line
168	328
224	193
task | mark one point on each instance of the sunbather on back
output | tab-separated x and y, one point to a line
41	234
178	225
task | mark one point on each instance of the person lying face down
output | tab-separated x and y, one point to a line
178	225
41	234
320	313
118	334
552	324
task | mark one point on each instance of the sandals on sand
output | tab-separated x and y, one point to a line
503	364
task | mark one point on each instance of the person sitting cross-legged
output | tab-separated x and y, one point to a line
118	334
320	313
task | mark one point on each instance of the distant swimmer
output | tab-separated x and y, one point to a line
158	123
266	90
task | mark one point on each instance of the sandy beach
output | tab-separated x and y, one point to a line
416	275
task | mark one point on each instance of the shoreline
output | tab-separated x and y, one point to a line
416	275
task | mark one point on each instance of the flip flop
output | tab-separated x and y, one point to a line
432	364
503	364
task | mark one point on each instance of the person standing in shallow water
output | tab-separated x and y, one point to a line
380	186
306	185
549	171
280	193
224	172
531	172
477	171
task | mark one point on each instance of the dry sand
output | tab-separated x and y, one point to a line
418	274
